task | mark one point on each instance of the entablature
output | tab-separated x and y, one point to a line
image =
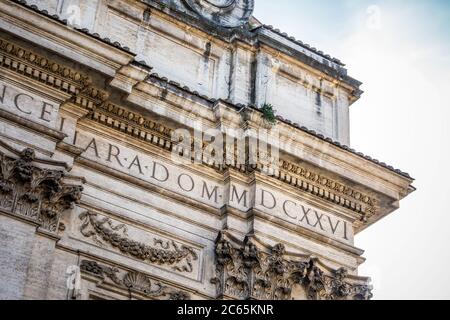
56	35
310	163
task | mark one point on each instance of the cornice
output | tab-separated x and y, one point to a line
34	66
301	43
145	129
94	104
209	101
251	269
50	32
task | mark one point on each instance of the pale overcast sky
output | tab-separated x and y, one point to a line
400	49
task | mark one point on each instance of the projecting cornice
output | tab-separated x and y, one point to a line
53	34
173	90
313	163
134	175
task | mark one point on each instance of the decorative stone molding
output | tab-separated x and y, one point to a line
248	272
157	134
133	124
89	98
168	253
95	102
33	192
133	281
223	13
327	188
55	75
31	65
34	66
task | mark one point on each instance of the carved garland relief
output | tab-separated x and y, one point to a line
167	253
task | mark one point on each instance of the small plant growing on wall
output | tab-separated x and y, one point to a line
269	113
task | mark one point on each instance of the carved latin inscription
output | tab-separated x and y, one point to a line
27	105
149	169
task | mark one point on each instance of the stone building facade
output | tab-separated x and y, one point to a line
93	204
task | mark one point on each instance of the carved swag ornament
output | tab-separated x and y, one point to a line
248	273
133	281
169	253
33	192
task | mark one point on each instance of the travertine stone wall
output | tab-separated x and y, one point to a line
94	206
16	248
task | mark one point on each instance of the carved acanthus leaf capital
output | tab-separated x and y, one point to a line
246	271
34	192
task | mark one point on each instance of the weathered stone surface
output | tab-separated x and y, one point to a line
95	199
246	272
225	13
16	247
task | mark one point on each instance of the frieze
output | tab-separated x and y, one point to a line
149	168
28	105
133	281
94	100
194	188
281	205
361	202
245	271
165	253
159	135
33	192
